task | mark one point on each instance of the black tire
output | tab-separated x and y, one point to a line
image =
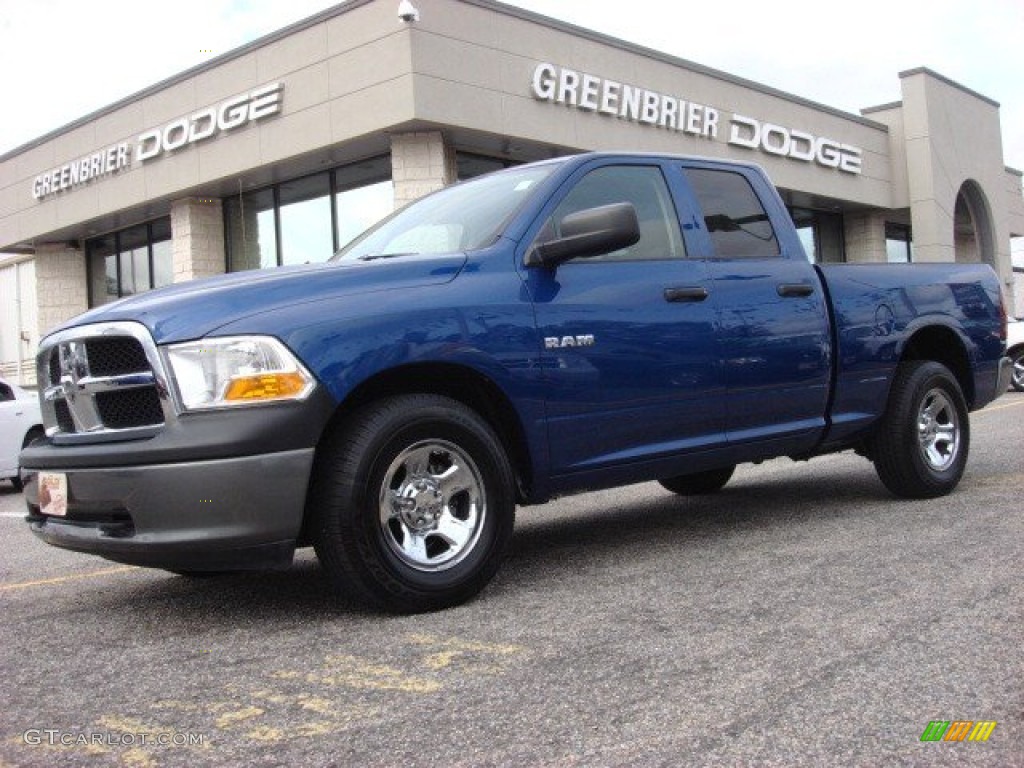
921	446
700	483
36	433
391	522
1017	379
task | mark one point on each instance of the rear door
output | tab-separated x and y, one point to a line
630	359
774	325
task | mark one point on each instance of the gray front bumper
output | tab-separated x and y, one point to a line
219	514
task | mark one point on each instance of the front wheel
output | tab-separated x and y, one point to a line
412	504
920	448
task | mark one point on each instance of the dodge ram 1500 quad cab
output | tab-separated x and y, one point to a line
574	324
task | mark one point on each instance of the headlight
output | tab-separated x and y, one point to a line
238	370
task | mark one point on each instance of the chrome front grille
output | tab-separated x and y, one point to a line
103	382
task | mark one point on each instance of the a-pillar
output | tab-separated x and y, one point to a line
421	162
197	238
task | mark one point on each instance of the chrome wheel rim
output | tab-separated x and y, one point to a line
432	505
938	430
1018	371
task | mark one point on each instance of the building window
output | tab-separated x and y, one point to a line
899	245
468	166
821	234
129	261
306	220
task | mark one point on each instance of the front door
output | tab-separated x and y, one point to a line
630	356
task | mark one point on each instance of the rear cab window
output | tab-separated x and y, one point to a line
736	221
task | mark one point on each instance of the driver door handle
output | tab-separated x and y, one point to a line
686	293
795	290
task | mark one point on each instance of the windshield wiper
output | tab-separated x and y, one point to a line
375	256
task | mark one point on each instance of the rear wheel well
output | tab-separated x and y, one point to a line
941	345
465	385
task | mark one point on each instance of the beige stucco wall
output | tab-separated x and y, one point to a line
952	137
474	68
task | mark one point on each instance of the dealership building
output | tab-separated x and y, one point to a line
281	151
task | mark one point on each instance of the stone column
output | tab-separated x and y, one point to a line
864	234
197	238
421	162
62	285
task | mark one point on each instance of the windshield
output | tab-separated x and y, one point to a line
463	217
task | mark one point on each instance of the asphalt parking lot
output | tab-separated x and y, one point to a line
800	617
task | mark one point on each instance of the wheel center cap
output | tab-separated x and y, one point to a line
420	503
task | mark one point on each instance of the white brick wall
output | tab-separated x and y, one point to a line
197	233
421	162
19	327
61	285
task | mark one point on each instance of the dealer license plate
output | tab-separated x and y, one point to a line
53	493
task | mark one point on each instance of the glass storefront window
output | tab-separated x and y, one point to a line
305	215
134	249
306	220
899	245
251	230
356	210
132	260
821	234
163	260
468	166
102	259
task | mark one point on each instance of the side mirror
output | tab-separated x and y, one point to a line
592	232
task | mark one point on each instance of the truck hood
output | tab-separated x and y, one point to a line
197	308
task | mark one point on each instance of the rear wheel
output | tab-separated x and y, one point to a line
1017	378
699	483
921	447
412	504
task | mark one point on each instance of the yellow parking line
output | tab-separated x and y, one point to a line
62	579
1004	406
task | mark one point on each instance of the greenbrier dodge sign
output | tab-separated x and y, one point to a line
185	131
587	92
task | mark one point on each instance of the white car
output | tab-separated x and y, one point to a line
20	424
1015	351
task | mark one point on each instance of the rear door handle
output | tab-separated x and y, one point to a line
686	293
795	290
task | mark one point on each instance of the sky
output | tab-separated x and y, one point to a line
62	59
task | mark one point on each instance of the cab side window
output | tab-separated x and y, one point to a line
645	188
6	393
735	219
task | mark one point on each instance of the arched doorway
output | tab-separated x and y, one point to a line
972	226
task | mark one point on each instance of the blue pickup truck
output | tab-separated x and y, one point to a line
574	324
